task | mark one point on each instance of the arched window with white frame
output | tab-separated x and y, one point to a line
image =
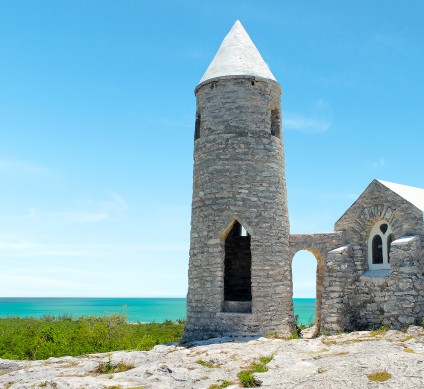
379	241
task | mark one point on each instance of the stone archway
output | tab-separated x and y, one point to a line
318	245
313	264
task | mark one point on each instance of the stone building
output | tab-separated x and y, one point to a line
369	270
376	277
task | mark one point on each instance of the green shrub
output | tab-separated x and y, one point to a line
109	368
297	330
42	338
246	377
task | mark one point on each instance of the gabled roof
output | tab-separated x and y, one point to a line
411	194
414	196
237	56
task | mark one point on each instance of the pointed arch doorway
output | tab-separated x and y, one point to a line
237	269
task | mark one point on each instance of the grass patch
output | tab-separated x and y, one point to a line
327	342
294	335
42	338
274	335
109	368
298	328
379	331
246	377
379	376
211	365
407	338
222	385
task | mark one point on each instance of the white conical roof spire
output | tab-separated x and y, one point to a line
237	56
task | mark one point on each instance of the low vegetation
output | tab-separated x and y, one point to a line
379	331
208	364
109	367
408	349
222	385
298	328
247	378
379	376
42	338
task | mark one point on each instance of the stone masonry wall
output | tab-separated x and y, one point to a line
370	297
238	175
317	244
404	303
339	290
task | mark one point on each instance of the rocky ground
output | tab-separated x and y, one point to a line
340	361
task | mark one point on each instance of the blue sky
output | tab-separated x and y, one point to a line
97	118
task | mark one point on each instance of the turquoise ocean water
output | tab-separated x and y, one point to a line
137	309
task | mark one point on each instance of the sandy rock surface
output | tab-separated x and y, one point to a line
341	361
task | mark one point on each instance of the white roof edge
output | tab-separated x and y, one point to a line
411	194
404	240
340	250
237	56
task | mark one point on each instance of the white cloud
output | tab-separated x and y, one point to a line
186	121
304	124
21	248
379	164
74	216
117	203
33	212
17	167
26	282
99	211
316	120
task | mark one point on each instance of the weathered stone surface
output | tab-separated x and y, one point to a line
341	361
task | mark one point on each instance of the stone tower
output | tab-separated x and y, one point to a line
239	271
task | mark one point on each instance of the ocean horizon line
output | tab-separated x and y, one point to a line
93	297
136	309
113	297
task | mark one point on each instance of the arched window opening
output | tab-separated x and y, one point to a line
276	123
379	241
197	127
237	271
377	250
307	288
